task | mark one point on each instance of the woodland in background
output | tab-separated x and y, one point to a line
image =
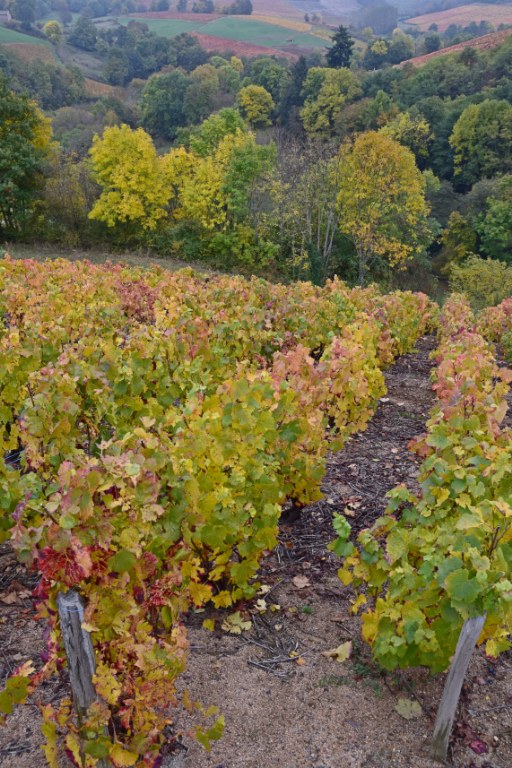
296	170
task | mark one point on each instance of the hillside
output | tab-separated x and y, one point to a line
463	15
483	43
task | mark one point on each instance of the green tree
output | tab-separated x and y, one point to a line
458	240
495	226
339	54
432	42
135	182
25	136
203	87
83	35
482	141
256	104
24	11
381	201
162	104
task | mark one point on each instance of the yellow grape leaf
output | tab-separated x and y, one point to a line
235	624
73	745
223	599
341	653
408	709
122	757
361	600
209	624
200	593
107	685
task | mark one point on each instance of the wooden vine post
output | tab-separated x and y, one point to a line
469	634
79	653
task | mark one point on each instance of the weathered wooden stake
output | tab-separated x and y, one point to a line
79	650
79	653
469	634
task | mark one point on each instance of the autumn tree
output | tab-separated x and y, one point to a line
381	201
326	92
256	104
135	181
25	137
53	31
412	131
339	54
215	191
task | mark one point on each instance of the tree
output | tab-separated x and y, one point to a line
53	31
411	131
495	227
432	42
25	137
84	35
381	201
458	241
256	104
24	11
202	89
482	141
181	6
162	111
340	52
326	92
135	181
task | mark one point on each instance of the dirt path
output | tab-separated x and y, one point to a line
285	704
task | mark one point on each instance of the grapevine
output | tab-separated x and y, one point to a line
159	422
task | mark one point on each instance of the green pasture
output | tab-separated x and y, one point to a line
11	36
236	28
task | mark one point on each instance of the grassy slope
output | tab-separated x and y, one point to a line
11	36
235	28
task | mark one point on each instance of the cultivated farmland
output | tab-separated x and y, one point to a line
242	29
464	15
483	43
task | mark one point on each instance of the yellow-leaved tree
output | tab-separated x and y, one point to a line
256	104
381	201
216	189
135	181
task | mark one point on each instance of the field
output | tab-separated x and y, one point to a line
31	52
483	43
464	15
240	29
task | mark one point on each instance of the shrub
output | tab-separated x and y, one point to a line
485	282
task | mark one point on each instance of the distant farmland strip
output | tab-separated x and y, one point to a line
464	15
241	29
30	51
297	26
483	43
238	47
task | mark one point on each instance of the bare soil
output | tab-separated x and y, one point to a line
286	705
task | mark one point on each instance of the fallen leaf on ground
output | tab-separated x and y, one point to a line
235	624
341	653
478	746
301	582
408	709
